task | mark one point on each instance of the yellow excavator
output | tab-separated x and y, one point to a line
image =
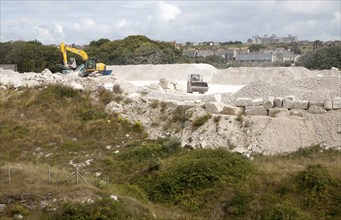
91	66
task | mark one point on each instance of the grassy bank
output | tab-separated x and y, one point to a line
152	179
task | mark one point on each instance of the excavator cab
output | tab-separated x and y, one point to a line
90	64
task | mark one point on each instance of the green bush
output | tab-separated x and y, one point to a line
238	205
197	122
89	114
180	115
195	171
100	209
280	212
57	92
315	182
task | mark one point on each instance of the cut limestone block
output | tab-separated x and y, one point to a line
257	101
314	109
233	110
318	103
288	102
274	111
243	102
255	110
337	103
268	102
328	104
301	104
278	102
214	107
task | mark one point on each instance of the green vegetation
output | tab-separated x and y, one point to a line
151	178
197	122
30	56
322	58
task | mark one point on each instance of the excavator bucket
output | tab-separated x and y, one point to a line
72	64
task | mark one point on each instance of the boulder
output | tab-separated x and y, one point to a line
170	104
337	103
243	102
328	104
297	112
288	102
233	110
113	107
255	110
314	109
214	107
257	101
268	102
314	102
278	102
76	86
274	111
301	104
217	97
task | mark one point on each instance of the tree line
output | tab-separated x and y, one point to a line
33	56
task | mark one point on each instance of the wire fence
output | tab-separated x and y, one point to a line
10	175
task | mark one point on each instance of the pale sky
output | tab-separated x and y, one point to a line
79	22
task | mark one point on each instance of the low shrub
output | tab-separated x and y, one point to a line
105	96
57	92
315	182
100	209
197	122
280	212
193	172
154	104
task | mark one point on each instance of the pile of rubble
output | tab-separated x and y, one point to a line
304	106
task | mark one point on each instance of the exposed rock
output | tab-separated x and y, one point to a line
114	107
268	102
233	110
337	103
257	102
301	104
314	109
274	111
297	112
243	102
255	110
214	107
170	104
76	86
288	102
328	104
318	103
278	102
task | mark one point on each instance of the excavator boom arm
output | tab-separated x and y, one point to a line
64	48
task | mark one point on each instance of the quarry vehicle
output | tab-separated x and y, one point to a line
91	66
195	83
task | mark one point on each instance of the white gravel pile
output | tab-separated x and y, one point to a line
317	88
245	75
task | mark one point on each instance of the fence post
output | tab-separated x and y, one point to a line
9	174
77	174
49	175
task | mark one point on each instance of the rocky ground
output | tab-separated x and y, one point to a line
156	96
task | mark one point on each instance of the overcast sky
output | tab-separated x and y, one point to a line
51	22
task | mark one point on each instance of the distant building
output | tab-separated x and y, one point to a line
13	67
254	57
205	53
191	53
266	39
229	54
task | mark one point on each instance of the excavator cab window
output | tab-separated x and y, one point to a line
91	64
